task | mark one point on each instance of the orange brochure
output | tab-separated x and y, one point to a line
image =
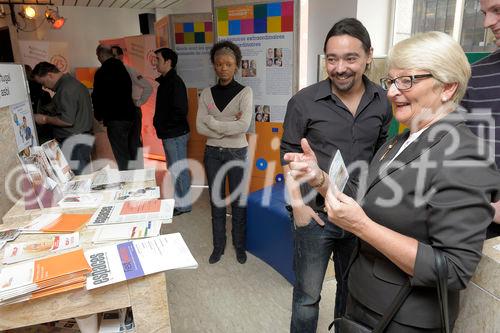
138	207
57	269
56	223
67	223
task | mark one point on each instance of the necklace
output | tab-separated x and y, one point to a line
388	149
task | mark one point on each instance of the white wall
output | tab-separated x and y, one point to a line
376	16
186	7
322	16
84	27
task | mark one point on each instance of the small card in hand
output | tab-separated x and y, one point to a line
338	172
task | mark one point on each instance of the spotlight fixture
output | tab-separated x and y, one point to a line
28	12
54	19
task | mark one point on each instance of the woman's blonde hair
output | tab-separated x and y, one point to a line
437	53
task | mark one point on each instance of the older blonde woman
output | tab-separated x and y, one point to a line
429	188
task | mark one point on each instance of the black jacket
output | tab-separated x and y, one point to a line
112	94
170	119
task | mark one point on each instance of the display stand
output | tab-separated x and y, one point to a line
17	130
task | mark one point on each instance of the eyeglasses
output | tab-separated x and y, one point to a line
402	82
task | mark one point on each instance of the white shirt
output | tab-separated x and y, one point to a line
412	137
141	88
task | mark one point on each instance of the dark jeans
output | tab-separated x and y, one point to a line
363	315
118	135
217	171
313	246
135	141
178	167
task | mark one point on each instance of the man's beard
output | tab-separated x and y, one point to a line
345	87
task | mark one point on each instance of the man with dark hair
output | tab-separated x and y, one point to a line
482	97
345	112
141	90
170	122
74	115
113	104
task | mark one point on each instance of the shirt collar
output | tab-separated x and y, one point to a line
64	77
170	73
325	90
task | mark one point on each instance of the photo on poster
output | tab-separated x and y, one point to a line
248	68
262	113
22	122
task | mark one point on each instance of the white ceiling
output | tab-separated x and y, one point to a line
136	4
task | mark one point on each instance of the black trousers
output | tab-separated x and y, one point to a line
119	132
135	141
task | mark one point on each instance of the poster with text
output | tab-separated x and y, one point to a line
12	84
33	52
24	128
264	33
193	41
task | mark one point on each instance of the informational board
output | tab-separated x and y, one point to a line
35	51
194	37
15	100
264	33
162	32
17	130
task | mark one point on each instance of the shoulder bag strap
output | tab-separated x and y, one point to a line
442	289
393	308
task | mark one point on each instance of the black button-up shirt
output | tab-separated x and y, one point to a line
318	115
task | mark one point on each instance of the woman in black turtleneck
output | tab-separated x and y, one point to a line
224	116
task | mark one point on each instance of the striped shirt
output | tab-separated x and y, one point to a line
482	100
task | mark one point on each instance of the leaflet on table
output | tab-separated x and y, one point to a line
129	260
17	252
57	161
77	186
9	234
37	167
132	211
141	193
56	222
47	275
338	172
106	178
81	200
124	231
138	175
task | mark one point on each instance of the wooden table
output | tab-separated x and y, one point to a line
147	295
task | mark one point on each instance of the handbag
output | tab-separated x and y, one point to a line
347	325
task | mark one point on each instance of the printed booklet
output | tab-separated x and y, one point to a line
133	259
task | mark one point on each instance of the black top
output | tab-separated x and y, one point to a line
170	119
112	94
318	115
222	95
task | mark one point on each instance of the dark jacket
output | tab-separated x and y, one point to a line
443	185
170	119
112	94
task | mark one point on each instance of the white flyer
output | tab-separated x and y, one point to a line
133	259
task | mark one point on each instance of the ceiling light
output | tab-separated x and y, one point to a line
53	17
29	12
